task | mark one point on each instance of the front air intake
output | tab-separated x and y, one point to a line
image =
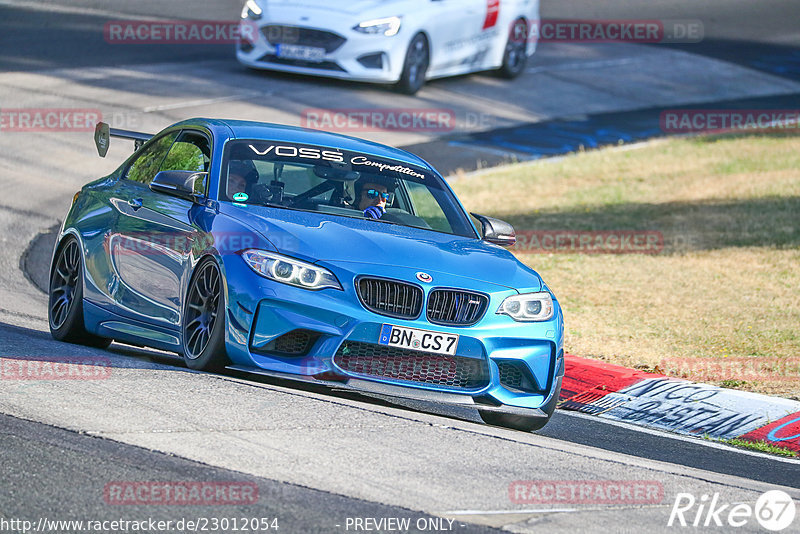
392	363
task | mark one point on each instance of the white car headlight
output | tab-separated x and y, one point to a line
528	307
387	26
251	10
289	270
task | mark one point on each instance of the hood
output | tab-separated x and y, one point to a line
356	7
326	239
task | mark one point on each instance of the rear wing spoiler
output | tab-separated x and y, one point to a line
103	134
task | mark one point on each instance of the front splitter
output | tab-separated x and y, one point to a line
388	390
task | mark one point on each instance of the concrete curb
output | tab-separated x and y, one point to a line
691	408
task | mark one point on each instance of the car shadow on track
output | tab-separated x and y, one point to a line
26	344
20	343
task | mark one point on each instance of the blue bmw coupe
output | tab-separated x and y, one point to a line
310	256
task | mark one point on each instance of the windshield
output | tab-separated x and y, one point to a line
339	183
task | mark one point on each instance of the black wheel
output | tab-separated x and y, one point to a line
415	66
520	422
204	320
516	53
65	307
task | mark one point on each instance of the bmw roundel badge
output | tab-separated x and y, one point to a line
424	277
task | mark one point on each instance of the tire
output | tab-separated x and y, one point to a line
521	422
65	303
203	326
415	67
515	56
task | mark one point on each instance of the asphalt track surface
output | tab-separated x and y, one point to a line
318	457
88	464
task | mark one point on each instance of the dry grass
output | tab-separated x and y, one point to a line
727	284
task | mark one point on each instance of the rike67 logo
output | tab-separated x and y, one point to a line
774	511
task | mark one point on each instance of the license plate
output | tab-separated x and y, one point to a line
415	339
305	53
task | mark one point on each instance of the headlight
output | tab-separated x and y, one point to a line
528	307
388	26
289	270
251	10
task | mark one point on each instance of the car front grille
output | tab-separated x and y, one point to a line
379	361
295	35
454	307
390	297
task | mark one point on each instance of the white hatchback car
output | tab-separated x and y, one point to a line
403	42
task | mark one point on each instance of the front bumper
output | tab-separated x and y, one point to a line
521	364
368	58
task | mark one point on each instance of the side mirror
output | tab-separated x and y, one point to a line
497	231
188	185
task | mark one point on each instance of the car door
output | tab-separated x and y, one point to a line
114	219
455	29
151	249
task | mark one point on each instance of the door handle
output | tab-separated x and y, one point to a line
135	203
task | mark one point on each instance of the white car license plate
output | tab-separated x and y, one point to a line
414	339
306	53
